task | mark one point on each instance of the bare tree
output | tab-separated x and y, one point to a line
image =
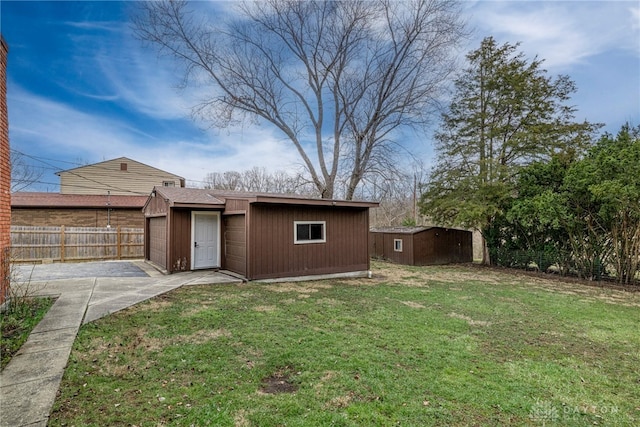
23	174
339	79
258	179
398	193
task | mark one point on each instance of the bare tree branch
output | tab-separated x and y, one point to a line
338	78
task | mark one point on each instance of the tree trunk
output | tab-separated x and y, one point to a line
486	257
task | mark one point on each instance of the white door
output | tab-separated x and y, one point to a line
204	235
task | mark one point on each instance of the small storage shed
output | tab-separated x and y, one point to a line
257	235
421	245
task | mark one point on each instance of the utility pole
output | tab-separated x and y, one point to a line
415	201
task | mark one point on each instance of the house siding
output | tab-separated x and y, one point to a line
274	254
100	178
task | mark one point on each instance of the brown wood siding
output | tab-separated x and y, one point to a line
444	246
156	206
273	253
425	247
180	240
386	247
158	241
428	247
77	217
236	205
235	244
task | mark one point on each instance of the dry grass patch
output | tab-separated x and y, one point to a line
331	302
157	303
300	287
469	320
240	419
412	304
201	336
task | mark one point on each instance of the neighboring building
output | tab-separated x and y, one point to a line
5	178
259	236
110	193
122	176
53	209
421	245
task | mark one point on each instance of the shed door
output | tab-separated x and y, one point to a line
235	244
158	241
205	240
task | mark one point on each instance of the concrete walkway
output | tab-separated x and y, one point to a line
29	383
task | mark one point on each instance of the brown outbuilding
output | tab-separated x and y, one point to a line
421	245
256	235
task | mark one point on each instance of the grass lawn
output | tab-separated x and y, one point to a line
16	324
448	346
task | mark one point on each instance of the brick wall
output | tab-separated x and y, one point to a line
128	218
5	176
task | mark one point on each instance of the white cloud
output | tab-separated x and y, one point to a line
59	132
115	67
562	33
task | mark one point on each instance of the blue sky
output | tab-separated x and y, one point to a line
82	89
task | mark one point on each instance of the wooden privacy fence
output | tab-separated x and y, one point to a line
35	244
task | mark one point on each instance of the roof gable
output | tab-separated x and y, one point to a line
114	165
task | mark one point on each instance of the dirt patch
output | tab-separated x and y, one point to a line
279	382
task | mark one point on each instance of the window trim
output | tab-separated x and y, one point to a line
304	242
396	247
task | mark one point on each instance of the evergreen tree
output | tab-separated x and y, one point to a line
506	113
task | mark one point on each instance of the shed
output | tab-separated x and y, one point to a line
256	235
421	245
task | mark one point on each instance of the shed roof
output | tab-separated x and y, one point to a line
190	196
57	200
399	230
178	196
410	230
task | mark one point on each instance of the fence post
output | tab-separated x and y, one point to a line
119	243
62	243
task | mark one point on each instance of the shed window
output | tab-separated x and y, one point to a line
397	245
168	184
309	232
